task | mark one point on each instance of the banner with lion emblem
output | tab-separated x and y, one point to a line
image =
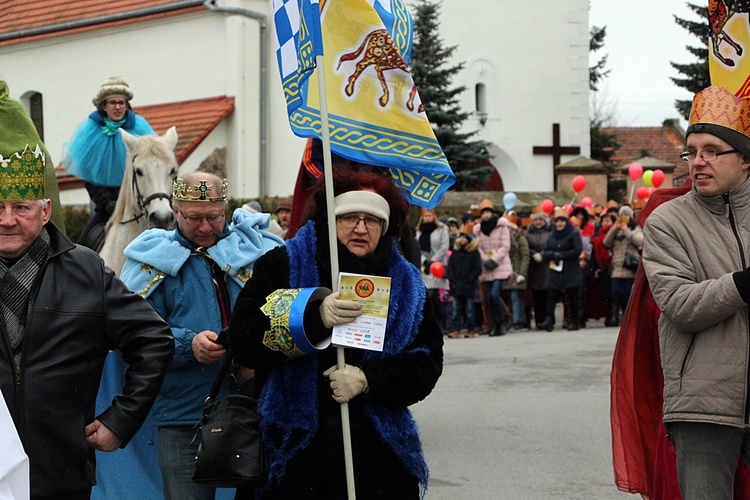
375	114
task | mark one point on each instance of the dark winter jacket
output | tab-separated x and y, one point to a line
464	268
564	246
537	238
78	311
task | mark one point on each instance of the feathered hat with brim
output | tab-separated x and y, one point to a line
718	112
21	152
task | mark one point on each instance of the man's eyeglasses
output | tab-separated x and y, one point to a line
706	155
352	220
114	104
194	220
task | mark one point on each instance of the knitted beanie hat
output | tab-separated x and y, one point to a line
114	85
625	210
363	201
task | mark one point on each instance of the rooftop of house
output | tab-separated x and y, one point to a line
663	143
26	21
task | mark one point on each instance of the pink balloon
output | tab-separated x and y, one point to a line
642	193
548	206
437	269
635	170
658	178
579	182
568	208
587	202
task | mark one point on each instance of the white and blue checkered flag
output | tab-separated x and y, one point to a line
298	41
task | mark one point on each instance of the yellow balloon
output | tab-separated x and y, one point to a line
648	176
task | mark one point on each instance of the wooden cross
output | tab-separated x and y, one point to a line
556	150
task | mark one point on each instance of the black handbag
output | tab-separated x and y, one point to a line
230	453
631	261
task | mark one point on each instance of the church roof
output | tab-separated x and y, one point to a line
25	21
194	120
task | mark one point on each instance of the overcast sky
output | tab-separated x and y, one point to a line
642	39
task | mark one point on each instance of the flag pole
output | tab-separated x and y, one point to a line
325	136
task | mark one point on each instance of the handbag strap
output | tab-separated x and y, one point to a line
220	376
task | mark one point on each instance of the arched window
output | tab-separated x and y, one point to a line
480	102
36	111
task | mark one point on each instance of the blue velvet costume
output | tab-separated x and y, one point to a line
96	153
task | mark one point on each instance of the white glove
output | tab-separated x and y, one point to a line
537	257
520	279
337	312
347	383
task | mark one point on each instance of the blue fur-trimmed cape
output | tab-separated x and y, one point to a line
288	401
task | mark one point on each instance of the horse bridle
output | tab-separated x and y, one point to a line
143	202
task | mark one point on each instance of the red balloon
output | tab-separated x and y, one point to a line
568	208
548	206
658	178
579	182
635	170
437	269
587	202
642	193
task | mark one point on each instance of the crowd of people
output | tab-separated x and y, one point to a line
504	273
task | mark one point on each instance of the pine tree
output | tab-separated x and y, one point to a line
597	72
603	144
468	159
697	76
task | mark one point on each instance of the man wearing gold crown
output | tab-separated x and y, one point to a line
696	255
191	276
61	312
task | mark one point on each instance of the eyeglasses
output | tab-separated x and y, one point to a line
194	220
352	220
114	104
706	155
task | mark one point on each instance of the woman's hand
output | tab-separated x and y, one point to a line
337	312
347	383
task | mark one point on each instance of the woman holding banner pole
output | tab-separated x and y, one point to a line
281	327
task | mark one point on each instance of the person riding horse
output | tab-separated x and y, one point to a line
96	153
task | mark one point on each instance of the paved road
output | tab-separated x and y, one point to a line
524	416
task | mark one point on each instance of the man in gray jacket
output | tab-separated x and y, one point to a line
696	255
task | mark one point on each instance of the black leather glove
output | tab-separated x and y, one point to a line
557	256
742	282
490	264
426	266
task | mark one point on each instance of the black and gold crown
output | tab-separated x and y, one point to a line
198	191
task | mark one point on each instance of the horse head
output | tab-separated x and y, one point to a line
147	185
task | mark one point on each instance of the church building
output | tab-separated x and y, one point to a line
209	67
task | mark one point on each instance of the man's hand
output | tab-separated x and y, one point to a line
205	348
347	383
520	279
337	312
101	438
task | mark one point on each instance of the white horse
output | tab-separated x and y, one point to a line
145	199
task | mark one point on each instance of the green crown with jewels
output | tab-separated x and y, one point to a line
22	175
